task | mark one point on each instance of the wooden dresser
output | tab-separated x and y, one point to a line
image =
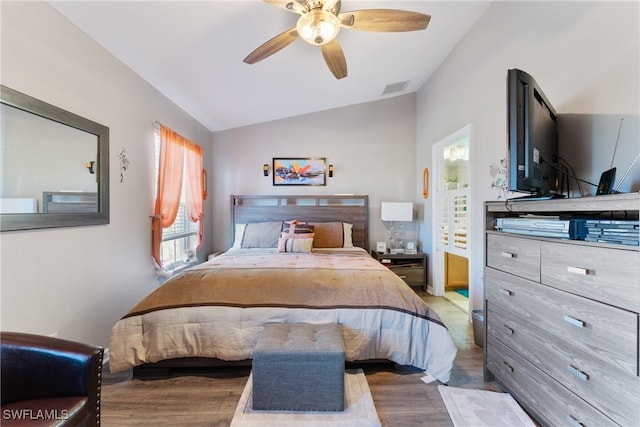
562	316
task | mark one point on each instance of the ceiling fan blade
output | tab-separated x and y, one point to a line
272	46
295	6
384	20
330	4
334	57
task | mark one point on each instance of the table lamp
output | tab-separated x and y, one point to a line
396	212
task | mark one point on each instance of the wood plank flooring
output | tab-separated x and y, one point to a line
209	398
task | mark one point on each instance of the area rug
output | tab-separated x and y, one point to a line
463	292
359	412
480	408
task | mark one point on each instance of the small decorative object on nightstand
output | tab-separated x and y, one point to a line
412	268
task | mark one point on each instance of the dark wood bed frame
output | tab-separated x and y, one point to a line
353	209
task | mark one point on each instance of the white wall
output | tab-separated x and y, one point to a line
585	56
76	282
371	145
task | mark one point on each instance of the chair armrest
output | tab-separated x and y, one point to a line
35	366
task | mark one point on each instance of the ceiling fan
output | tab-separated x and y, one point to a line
321	20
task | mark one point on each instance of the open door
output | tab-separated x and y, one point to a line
451	192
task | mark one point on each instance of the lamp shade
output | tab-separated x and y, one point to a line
318	27
397	211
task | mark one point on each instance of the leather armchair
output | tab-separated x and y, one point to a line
49	381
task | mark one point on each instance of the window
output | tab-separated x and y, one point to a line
179	240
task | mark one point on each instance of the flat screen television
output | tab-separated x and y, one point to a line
533	138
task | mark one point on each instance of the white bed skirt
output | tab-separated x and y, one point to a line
230	333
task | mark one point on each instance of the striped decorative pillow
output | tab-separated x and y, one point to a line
296	227
298	245
297	235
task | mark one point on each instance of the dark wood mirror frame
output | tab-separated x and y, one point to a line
14	222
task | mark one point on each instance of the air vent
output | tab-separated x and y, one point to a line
395	87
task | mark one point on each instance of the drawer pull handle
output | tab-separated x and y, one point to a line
403	276
573	422
506	292
575	322
578	373
577	270
511	331
507	254
509	367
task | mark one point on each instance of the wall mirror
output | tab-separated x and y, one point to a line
54	166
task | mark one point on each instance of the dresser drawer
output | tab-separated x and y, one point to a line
551	403
514	255
607	275
413	276
602	334
613	392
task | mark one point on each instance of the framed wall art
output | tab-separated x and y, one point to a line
299	171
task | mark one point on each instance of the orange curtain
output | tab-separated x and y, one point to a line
169	186
195	186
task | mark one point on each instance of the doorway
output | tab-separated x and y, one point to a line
452	189
456	283
456	270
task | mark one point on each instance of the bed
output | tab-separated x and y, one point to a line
294	259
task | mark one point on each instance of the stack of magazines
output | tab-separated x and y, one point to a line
617	231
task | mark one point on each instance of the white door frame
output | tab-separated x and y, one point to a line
439	248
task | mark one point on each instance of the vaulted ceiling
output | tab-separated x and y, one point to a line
192	52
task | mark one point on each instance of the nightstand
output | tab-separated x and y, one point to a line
412	268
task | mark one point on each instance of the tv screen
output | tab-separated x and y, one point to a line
533	136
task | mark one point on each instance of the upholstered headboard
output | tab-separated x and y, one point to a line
350	209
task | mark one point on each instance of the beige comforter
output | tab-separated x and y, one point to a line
218	309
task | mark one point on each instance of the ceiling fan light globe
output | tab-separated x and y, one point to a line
318	27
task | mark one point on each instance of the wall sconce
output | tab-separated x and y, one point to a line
265	169
90	165
330	171
124	163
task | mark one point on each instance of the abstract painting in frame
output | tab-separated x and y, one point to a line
299	171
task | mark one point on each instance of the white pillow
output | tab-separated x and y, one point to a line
239	233
348	239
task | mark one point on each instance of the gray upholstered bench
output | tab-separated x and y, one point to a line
299	367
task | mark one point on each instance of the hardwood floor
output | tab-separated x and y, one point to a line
209	398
